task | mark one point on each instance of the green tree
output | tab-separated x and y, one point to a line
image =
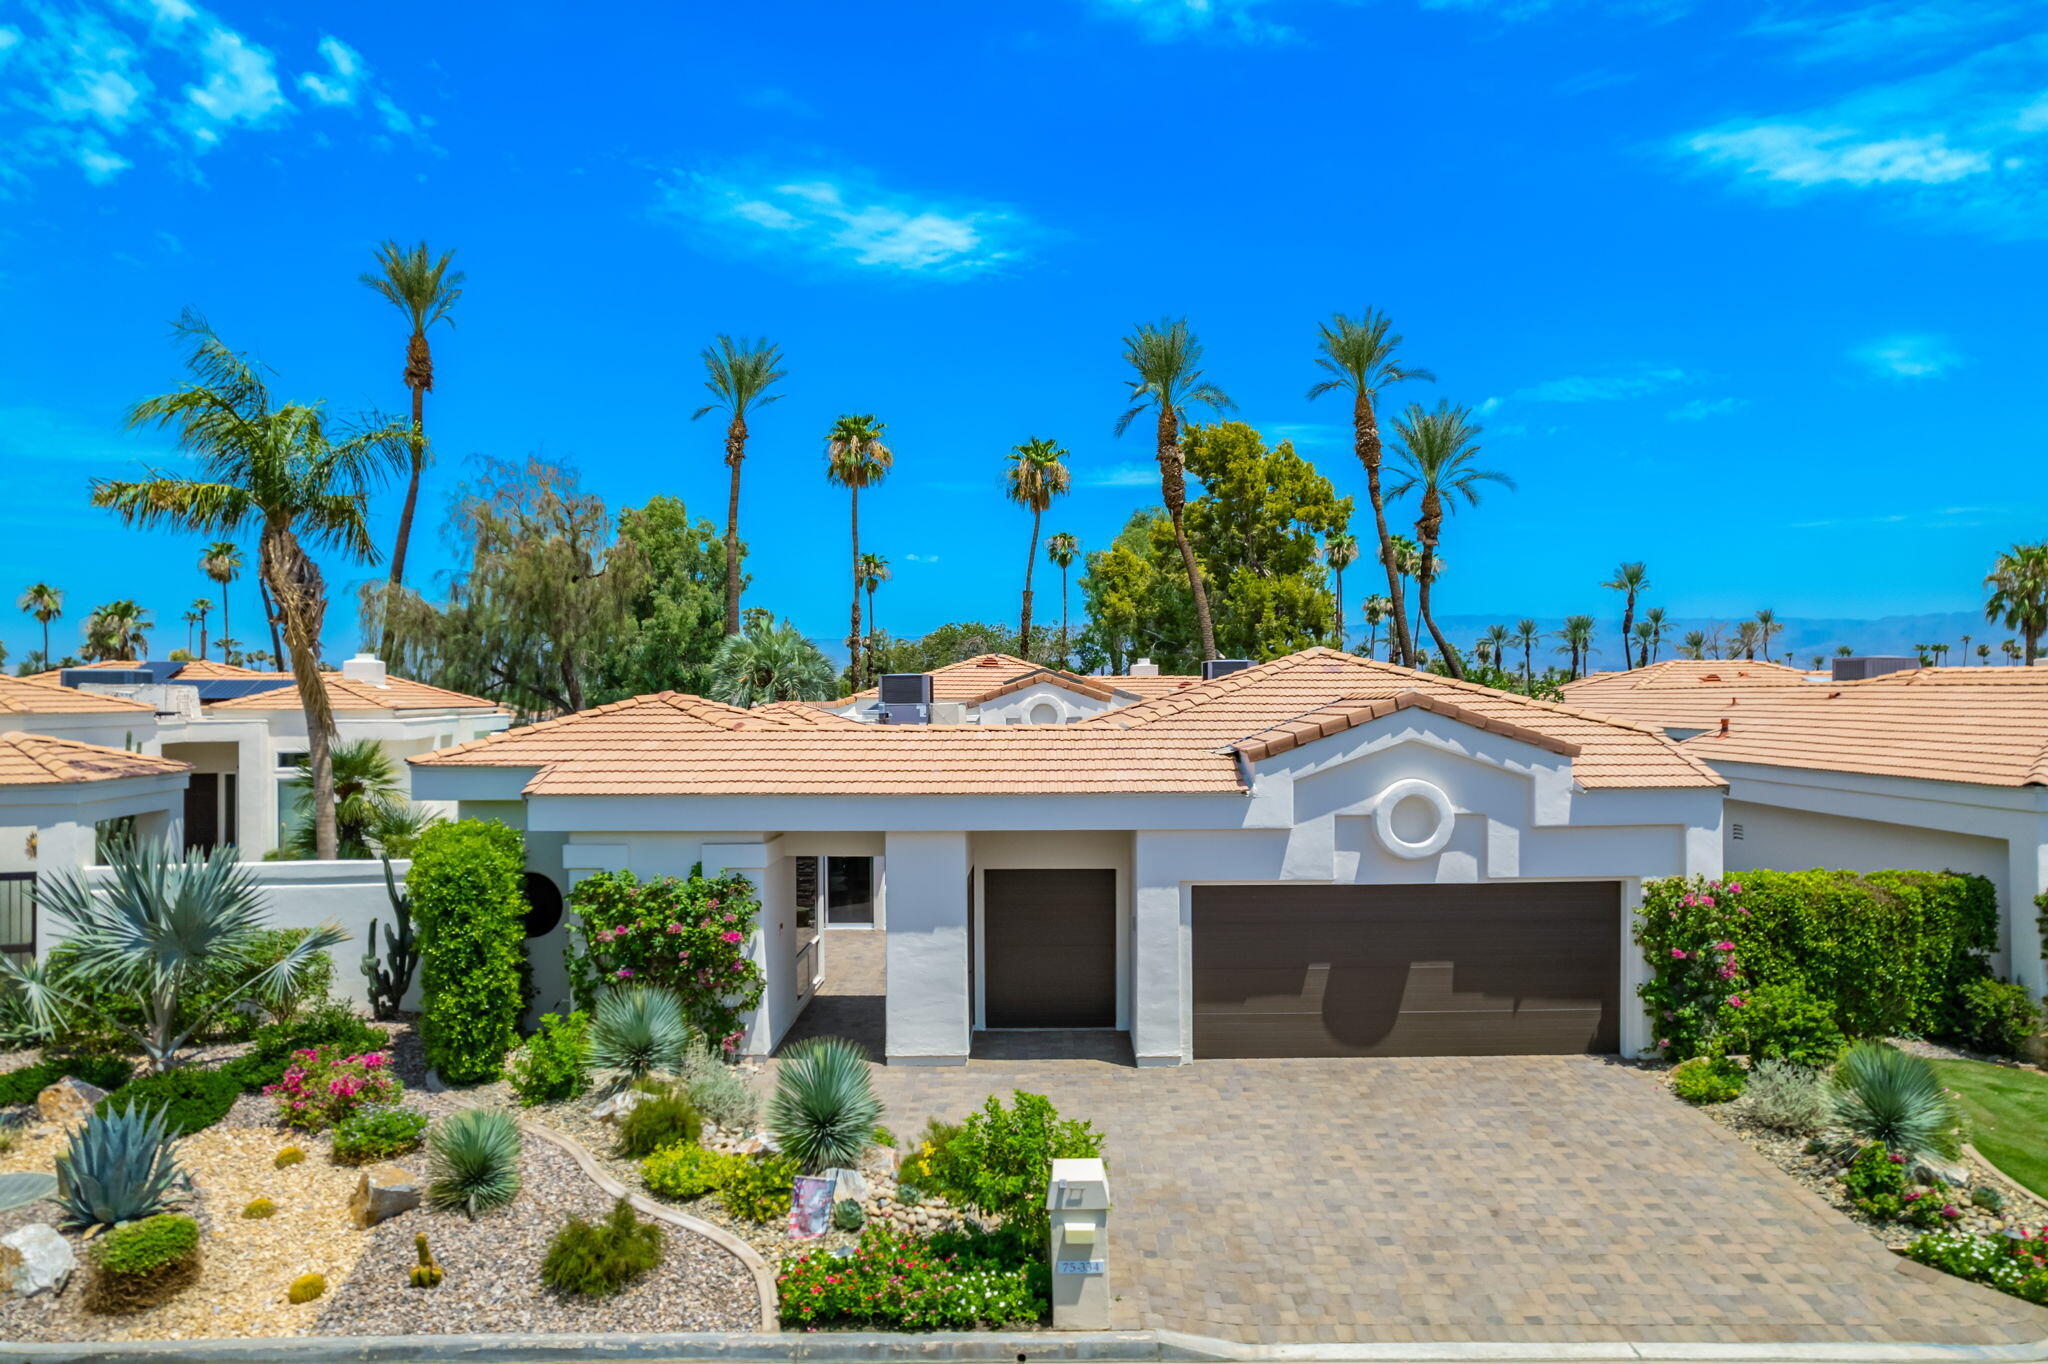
954	642
770	662
221	561
1340	551
1767	624
1746	635
1165	359
1577	640
116	631
1631	579
274	469
1122	598
369	797
1694	645
196	614
1061	549
45	603
1035	477
1378	607
1525	637
739	375
874	571
419	285
855	458
2018	598
1361	356
1436	450
674	620
1657	622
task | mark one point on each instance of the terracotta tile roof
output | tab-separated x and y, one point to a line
39	760
1985	726
1159	684
1185	743
988	676
28	696
1339	716
1681	693
348	693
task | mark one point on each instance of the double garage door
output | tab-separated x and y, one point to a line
1407	970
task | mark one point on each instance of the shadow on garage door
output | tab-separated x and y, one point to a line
1490	970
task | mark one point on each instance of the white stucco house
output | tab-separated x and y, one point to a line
1930	768
1316	856
1001	689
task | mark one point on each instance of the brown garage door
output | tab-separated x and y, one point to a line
1407	970
1049	948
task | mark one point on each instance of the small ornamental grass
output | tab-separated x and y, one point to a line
2011	1264
824	1112
473	1161
1786	1098
1881	1094
374	1134
638	1029
906	1283
142	1264
597	1260
662	1118
324	1085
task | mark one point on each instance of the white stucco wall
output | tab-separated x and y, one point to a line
927	1009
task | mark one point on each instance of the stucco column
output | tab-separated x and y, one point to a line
766	948
929	1019
2027	879
162	826
1162	1020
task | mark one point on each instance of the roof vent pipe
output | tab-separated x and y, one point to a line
1144	667
366	668
1213	668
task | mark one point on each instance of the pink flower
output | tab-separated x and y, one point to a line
375	1060
1728	972
730	936
674	928
1951	1212
1678	954
1706	902
1896	1157
1735	1001
623	973
1663	1042
1724	946
1734	887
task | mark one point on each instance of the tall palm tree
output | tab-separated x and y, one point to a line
222	562
874	571
1983	654
1966	646
1361	356
117	630
201	608
1656	618
1766	623
1436	449
1646	635
1061	549
1746	635
1035	477
1407	560
1378	607
1526	635
739	375
1166	358
2011	649
1340	551
45	603
1631	578
275	470
421	286
1497	640
1577	637
2019	595
855	458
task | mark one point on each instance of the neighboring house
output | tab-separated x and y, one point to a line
1317	856
244	733
1000	689
1683	696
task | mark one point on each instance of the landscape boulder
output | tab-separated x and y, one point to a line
617	1106
382	1193
38	1260
69	1100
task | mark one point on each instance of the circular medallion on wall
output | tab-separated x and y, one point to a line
1413	818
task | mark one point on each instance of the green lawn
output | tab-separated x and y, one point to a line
2008	1112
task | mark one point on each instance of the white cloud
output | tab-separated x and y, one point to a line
846	220
1129	474
1799	155
345	70
241	80
1602	388
101	165
1909	355
1885	30
1173	20
10	36
1316	435
920	558
1699	409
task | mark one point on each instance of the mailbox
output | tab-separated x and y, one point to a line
1077	1201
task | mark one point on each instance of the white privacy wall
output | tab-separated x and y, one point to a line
928	1020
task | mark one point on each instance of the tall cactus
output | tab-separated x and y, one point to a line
391	977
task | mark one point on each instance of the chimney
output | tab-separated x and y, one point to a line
366	668
1144	667
1213	668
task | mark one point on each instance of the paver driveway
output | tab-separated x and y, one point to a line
1494	1198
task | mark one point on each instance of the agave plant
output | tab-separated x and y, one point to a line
638	1029
1882	1094
120	1166
824	1110
473	1161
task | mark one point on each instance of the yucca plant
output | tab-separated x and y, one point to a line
473	1161
824	1110
639	1029
120	1166
1882	1094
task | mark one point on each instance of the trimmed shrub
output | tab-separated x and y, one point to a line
1876	1181
378	1134
1996	1016
895	1282
551	1065
143	1264
596	1261
1786	1022
1883	1095
1000	1160
662	1118
681	1173
1708	1080
192	1100
760	1189
101	1072
824	1111
689	935
467	891
1786	1098
473	1161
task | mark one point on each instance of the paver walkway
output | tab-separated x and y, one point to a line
1446	1199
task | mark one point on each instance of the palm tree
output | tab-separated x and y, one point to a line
412	280
1166	357
117	630
1436	450
1497	641
1407	557
1340	551
1034	479
1061	549
273	469
769	663
201	608
367	793
1746	635
1766	622
1578	640
874	571
1526	635
1655	616
2019	594
45	603
855	458
1966	647
739	375
1631	578
2011	649
1360	356
1646	633
222	562
1695	645
1377	609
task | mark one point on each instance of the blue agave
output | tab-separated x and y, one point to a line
120	1166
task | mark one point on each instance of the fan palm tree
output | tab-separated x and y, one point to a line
1340	551
1497	642
367	794
1035	477
273	469
1407	559
1631	578
1166	359
1525	637
1361	357
1746	635
117	630
45	603
874	571
222	562
2019	595
200	609
1377	608
1656	617
855	458
739	375
1577	637
1436	449
1061	549
1766	624
1694	645
1646	635
421	286
769	662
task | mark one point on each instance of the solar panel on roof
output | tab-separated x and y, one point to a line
228	688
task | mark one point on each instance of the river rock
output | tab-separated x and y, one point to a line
617	1106
382	1193
69	1100
41	1260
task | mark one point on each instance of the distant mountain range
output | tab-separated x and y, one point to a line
1803	637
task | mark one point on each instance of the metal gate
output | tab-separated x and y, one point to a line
18	914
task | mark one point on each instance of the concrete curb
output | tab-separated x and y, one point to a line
835	1347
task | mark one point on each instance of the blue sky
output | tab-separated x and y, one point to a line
1752	292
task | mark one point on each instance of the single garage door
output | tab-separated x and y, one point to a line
1049	948
1407	970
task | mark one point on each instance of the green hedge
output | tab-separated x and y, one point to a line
467	885
1885	952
